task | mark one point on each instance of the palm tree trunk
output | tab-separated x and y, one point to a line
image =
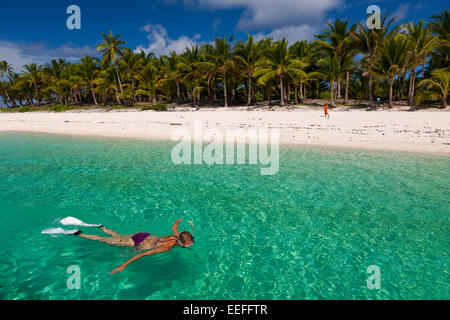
93	95
132	89
154	99
444	102
391	85
409	88
178	91
209	88
118	78
338	90
225	89
7	96
249	98
331	94
36	91
194	95
117	96
423	68
412	84
301	91
370	87
288	90
346	87
282	104
296	94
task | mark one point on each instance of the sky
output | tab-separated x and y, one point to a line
36	31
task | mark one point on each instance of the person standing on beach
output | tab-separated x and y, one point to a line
326	112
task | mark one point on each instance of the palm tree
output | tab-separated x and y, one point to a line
107	84
14	88
421	44
329	71
440	27
368	42
305	53
191	66
276	63
88	71
110	48
247	55
5	70
33	75
440	79
341	43
223	61
247	71
53	74
132	63
148	82
390	60
172	72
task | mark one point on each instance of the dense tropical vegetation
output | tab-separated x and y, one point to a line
408	63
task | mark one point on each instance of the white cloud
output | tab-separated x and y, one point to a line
294	20
401	12
13	54
216	23
19	54
160	43
272	14
293	34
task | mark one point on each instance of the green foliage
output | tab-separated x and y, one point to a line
61	108
157	107
243	71
24	109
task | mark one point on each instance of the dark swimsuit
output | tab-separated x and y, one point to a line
140	237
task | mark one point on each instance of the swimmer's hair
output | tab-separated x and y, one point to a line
186	236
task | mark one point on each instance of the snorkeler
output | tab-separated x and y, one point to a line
140	241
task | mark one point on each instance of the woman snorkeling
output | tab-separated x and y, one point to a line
140	241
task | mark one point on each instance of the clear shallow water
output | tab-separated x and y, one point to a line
309	232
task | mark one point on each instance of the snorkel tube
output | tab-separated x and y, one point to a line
193	229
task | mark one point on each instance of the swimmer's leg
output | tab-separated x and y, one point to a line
114	241
110	232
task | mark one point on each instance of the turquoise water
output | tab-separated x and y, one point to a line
309	232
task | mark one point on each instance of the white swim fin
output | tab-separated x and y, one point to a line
71	221
59	231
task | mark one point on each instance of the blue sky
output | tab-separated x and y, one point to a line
36	30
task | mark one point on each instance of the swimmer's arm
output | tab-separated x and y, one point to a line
139	256
175	227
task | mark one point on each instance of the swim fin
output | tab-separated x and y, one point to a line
60	231
71	221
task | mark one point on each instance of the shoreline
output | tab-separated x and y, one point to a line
419	132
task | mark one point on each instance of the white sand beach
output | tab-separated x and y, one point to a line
422	131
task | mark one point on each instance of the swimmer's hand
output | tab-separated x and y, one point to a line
121	268
175	227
